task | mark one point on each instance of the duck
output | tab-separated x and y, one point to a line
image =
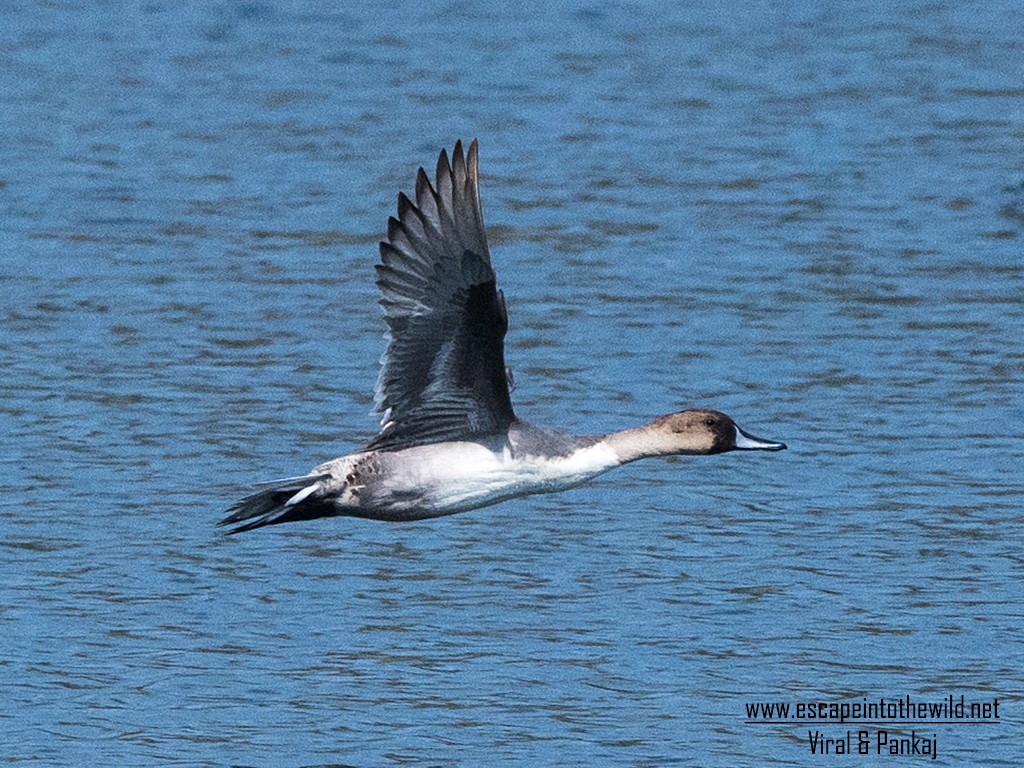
449	439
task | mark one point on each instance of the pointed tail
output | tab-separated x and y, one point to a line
279	501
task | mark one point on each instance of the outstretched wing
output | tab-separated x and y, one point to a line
443	374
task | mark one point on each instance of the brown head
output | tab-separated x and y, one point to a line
708	432
688	432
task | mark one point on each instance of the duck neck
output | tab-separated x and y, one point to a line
637	443
650	440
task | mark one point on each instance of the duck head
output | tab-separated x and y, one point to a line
704	432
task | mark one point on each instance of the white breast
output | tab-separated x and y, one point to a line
453	477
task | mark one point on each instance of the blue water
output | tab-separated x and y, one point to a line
808	218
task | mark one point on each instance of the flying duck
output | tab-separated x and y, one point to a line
449	439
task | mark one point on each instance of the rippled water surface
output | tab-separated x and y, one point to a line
809	219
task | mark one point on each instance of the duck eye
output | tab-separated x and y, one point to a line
710	421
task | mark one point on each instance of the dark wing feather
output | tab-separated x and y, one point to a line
443	374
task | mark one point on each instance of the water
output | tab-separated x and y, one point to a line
810	219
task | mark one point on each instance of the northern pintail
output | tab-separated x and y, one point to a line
449	439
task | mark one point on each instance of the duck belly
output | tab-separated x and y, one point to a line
434	480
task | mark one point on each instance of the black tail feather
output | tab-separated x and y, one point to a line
269	506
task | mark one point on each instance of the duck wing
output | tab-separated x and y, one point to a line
443	374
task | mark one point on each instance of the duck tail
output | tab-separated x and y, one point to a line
278	501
